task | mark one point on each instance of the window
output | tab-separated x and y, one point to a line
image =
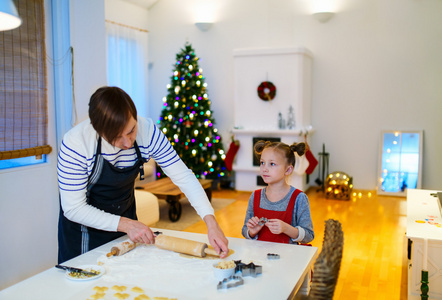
23	88
127	62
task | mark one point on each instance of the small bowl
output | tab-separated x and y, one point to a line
220	274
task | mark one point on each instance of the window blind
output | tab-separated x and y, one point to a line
23	86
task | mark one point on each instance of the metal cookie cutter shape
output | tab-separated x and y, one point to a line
273	256
262	221
230	282
249	269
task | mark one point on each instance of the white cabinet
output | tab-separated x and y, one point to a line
425	232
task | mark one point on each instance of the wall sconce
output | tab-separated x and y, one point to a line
323	16
203	26
323	10
9	18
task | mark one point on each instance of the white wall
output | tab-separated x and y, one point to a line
376	65
29	204
126	13
89	42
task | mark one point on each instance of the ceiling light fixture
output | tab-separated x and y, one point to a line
9	18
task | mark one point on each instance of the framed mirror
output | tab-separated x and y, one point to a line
400	162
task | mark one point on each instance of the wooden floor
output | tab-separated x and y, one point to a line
374	258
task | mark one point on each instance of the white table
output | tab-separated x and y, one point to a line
423	217
163	273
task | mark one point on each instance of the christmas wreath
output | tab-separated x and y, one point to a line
266	91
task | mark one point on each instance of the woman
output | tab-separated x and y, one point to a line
98	163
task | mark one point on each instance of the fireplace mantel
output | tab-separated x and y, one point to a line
274	132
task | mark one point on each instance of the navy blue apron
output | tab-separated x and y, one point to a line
110	189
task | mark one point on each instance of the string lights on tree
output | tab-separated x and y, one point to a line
187	121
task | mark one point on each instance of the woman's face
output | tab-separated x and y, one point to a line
127	138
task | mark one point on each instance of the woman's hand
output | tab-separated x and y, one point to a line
216	236
253	226
137	231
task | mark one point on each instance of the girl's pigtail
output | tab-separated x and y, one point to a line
259	147
298	148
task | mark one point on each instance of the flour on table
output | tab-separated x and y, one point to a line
162	272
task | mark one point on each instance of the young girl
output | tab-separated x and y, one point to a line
279	212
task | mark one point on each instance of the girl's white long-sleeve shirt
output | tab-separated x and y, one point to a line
77	157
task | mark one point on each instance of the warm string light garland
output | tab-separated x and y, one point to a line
338	185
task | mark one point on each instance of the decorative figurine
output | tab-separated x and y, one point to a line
291	119
281	122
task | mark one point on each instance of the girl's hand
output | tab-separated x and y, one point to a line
253	226
276	226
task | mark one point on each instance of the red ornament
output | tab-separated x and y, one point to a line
187	123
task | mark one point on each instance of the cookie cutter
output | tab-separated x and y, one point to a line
248	269
262	221
230	282
273	256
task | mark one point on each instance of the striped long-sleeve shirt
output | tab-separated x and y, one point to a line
77	157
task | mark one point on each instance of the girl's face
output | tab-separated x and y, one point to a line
127	138
273	166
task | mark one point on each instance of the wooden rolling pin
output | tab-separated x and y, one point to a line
122	248
183	246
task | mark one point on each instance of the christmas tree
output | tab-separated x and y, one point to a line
187	121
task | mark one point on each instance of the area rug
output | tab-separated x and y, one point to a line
188	214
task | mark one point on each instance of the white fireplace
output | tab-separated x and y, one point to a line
289	69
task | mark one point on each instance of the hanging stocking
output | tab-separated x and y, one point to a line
301	164
231	153
313	162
